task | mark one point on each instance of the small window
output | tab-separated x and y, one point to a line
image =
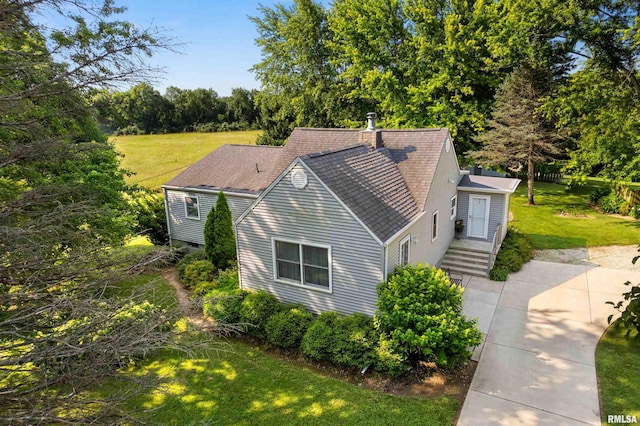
434	226
404	250
302	264
454	207
191	206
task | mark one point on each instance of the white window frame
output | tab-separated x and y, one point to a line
454	207
186	208
435	221
301	283
405	241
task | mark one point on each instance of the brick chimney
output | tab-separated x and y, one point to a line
371	135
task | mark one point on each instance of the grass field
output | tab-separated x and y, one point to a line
562	218
155	159
247	386
618	367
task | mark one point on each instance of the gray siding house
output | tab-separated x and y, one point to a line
325	218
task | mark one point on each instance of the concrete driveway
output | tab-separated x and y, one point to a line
537	363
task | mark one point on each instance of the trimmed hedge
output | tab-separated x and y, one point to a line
224	305
287	327
256	309
516	250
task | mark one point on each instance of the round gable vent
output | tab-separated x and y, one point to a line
299	179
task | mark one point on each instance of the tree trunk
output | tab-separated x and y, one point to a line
530	176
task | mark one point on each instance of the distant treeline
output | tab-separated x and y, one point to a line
143	110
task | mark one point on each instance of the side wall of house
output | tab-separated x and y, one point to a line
423	248
189	230
310	216
496	210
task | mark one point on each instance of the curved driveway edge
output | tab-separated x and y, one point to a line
537	363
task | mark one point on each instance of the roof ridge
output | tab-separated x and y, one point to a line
251	146
334	151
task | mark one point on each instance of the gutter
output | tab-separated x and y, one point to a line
208	191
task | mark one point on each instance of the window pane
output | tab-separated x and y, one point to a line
287	251
315	256
434	229
404	253
317	276
288	270
192	206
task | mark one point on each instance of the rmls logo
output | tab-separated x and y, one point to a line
619	418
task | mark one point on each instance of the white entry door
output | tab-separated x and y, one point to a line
478	216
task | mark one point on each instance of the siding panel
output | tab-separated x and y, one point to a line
310	215
192	230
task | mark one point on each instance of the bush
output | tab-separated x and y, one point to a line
187	259
227	280
516	250
287	327
599	193
256	310
630	315
419	312
355	341
319	340
625	208
388	360
634	212
224	306
611	203
196	272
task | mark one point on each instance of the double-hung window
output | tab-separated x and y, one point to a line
454	207
405	245
302	264
191	206
434	226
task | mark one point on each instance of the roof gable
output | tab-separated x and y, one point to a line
370	184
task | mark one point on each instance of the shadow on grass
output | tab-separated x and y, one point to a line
249	387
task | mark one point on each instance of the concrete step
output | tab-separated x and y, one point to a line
470	253
465	270
463	258
467	261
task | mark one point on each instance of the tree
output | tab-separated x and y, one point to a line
296	75
150	216
518	137
209	235
64	216
224	242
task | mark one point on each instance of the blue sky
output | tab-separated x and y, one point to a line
219	39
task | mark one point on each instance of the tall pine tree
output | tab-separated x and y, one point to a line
224	242
518	136
209	235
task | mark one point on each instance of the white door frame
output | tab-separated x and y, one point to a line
486	216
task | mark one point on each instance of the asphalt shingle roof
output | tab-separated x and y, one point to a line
370	184
489	183
237	168
384	187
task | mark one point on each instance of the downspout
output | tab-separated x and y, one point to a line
235	233
166	213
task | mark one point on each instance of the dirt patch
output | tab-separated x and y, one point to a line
613	257
574	215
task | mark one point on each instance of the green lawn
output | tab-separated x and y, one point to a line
247	386
155	159
618	368
579	226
